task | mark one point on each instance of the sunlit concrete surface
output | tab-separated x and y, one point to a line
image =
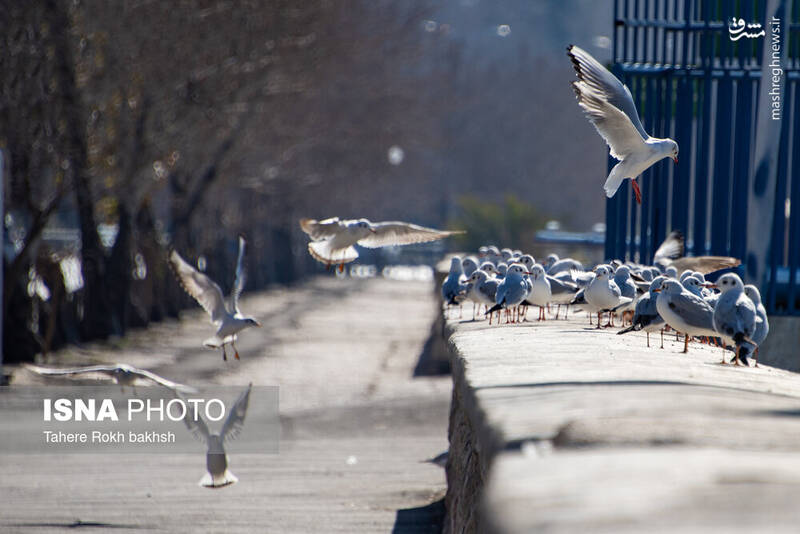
558	427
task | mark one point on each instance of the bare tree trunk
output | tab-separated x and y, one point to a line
96	322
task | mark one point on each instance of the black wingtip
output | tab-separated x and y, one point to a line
494	309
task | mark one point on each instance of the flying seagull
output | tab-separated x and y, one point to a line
671	254
119	373
218	475
332	239
226	316
608	105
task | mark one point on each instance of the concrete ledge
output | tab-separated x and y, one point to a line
561	428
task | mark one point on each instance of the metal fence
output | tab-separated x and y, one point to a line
693	82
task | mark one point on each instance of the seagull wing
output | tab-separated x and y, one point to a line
324	229
602	82
169	384
100	371
671	249
204	290
693	310
706	264
233	423
401	233
612	124
197	426
241	276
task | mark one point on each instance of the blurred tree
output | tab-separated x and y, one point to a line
512	223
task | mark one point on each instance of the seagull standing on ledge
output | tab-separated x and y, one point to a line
609	106
333	239
227	317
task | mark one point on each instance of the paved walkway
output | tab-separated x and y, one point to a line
355	424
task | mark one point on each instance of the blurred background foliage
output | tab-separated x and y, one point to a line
131	126
511	222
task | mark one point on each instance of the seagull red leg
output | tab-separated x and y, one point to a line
636	190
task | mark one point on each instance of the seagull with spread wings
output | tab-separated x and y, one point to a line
608	105
119	373
227	317
332	239
218	475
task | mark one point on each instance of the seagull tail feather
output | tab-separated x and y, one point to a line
210	481
495	308
614	180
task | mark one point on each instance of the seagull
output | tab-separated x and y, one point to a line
490	269
549	289
762	322
554	265
603	294
541	292
684	311
227	317
628	288
513	289
735	315
645	314
609	106
671	254
218	475
332	239
482	289
453	285
470	266
120	373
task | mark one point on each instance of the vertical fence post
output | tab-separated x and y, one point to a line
761	209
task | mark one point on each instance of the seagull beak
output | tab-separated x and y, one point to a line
675	159
656	291
707	284
258	324
373	230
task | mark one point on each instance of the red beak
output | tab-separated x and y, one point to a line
675	159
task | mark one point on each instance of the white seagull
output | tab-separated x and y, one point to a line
609	106
333	239
218	475
120	373
227	317
735	316
684	311
762	321
603	294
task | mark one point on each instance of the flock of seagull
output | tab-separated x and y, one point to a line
671	293
652	298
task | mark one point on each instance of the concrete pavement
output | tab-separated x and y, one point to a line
559	427
355	425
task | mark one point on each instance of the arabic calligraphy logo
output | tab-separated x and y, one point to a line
737	27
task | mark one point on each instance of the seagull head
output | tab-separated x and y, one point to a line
365	225
728	282
537	271
673	150
252	322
